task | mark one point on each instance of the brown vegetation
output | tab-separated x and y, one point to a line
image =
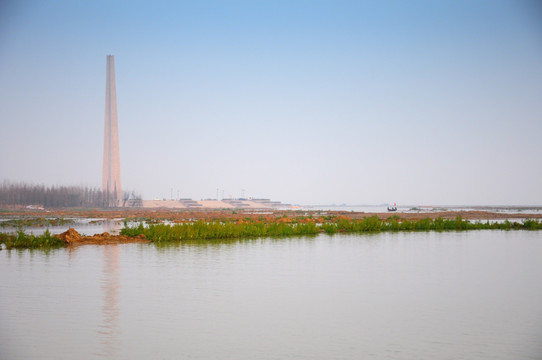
209	214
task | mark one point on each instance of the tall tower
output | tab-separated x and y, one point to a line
111	167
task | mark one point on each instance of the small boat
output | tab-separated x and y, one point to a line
393	208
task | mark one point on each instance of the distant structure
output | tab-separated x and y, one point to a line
111	167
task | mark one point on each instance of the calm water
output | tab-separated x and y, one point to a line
469	295
84	226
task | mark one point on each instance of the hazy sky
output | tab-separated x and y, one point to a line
307	102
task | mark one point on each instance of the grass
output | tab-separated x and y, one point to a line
35	222
220	230
201	230
20	240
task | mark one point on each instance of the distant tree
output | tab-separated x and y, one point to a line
61	196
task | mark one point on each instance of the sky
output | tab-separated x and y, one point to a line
305	102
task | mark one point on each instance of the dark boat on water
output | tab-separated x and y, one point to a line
393	208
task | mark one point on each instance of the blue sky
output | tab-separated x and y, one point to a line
417	102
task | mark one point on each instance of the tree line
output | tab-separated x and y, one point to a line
62	196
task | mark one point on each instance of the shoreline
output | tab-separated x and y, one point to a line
174	226
236	214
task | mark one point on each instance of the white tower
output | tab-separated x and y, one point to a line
111	167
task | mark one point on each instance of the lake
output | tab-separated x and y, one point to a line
452	295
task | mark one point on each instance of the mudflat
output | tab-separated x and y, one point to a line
73	238
183	215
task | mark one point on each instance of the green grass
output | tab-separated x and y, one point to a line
201	230
20	240
35	222
221	230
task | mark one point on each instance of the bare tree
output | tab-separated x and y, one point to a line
61	196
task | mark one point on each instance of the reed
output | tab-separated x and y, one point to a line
220	230
247	228
200	230
20	240
35	222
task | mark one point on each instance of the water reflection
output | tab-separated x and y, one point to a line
86	226
431	295
112	226
108	331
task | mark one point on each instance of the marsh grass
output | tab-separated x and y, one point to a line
247	228
20	240
35	222
200	230
225	230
